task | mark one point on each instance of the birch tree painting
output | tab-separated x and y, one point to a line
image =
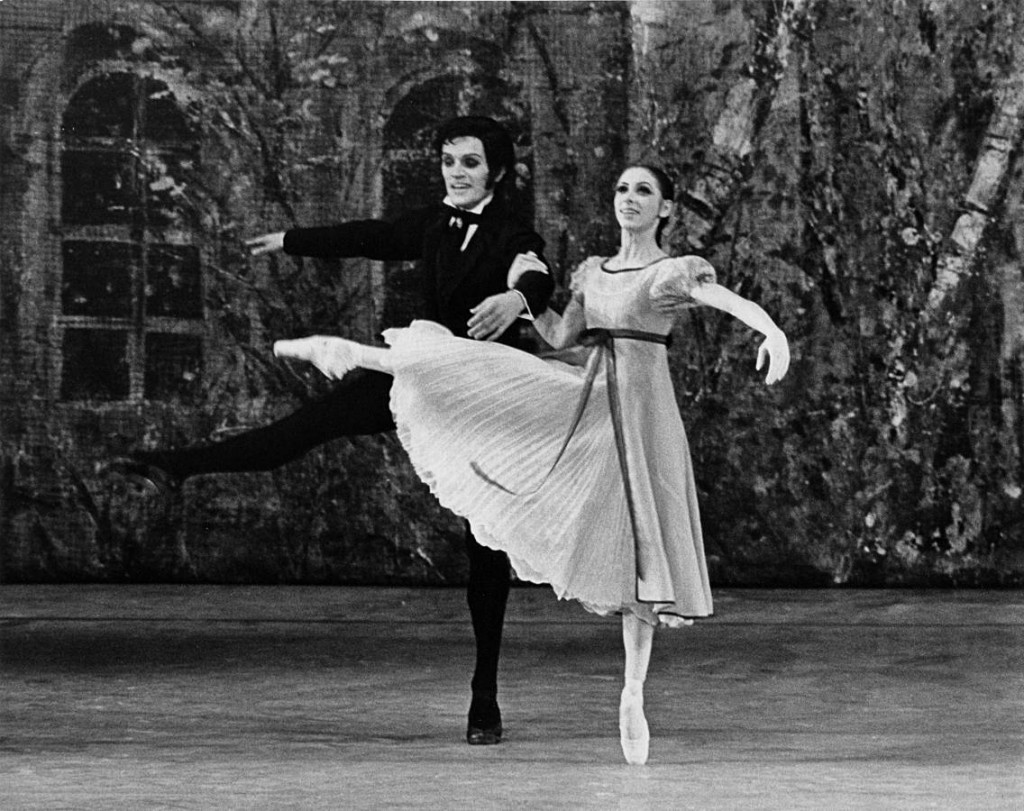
852	165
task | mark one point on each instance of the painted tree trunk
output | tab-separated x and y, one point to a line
851	165
711	189
1002	139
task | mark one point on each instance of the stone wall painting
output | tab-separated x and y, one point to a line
853	165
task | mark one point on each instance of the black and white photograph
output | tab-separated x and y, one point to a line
512	404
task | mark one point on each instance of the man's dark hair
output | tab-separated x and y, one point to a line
498	147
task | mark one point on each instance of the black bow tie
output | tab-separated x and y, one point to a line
460	218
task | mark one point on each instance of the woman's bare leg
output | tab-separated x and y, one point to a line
637	640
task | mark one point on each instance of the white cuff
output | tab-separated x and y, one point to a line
526	315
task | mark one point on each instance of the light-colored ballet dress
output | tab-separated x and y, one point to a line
484	425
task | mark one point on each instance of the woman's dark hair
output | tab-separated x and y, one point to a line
668	192
498	147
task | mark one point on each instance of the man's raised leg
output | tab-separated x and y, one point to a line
358	404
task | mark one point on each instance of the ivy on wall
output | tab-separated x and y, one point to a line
853	166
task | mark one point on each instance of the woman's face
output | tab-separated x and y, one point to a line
465	171
638	202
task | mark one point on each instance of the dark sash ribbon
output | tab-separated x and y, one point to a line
602	342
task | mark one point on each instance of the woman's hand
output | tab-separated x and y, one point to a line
776	348
267	243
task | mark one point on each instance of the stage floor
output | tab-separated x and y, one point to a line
145	697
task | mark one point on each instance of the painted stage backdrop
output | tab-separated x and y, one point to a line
852	165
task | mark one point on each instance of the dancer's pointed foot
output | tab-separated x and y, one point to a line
484	727
634	734
673	621
333	356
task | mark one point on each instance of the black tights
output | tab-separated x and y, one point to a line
358	404
487	595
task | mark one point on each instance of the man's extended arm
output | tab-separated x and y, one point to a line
401	239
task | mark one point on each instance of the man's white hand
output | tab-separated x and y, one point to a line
495	314
266	243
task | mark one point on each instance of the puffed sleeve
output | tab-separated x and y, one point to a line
675	280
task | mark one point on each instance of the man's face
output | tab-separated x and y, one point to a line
465	171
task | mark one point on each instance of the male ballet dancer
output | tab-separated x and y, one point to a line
466	248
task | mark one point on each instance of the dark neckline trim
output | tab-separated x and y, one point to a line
631	270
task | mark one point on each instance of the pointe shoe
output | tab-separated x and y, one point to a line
673	621
634	734
335	357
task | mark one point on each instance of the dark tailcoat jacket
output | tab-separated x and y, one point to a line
453	281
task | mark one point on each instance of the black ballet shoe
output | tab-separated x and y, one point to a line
144	474
484	728
483	736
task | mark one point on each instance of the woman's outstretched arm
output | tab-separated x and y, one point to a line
558	330
562	330
775	346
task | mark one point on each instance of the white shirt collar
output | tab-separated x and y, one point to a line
477	209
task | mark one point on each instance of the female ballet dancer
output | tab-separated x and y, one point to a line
576	465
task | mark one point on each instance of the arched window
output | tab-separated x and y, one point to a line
131	303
